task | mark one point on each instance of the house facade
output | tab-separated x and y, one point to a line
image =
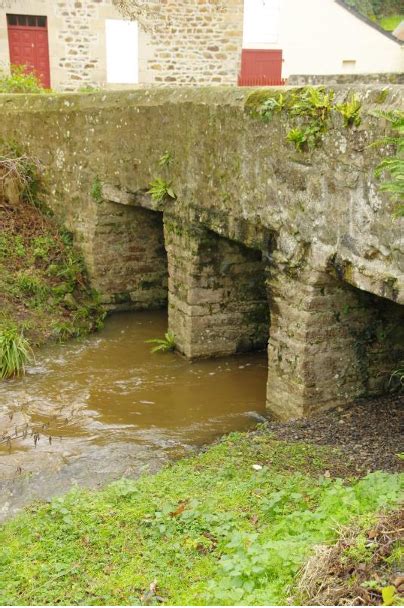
81	43
314	37
74	44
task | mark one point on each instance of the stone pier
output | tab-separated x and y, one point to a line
217	292
330	343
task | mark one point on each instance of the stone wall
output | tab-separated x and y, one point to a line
352	79
196	42
252	218
80	38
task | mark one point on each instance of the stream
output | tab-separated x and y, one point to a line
103	407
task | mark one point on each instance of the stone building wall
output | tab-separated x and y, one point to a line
196	42
192	41
76	33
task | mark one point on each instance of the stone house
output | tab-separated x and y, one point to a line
75	43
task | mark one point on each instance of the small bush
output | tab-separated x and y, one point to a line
160	189
32	286
19	81
89	89
312	103
272	105
15	352
305	138
42	245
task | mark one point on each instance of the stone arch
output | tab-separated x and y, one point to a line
126	256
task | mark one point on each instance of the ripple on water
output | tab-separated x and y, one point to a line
107	402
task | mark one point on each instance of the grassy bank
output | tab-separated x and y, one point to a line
44	289
233	525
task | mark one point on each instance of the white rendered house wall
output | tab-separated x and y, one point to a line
319	37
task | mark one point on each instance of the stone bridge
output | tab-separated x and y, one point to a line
263	244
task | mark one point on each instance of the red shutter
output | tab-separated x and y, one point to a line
261	67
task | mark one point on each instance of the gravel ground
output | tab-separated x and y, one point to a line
369	433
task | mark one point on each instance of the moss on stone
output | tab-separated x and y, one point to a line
255	100
381	96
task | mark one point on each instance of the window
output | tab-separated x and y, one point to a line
26	21
122	51
348	65
261	22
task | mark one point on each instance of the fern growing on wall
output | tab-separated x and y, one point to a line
391	168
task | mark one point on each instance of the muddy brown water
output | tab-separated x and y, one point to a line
105	407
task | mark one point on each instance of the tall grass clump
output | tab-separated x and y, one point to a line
15	352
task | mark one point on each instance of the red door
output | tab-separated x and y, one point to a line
28	43
261	67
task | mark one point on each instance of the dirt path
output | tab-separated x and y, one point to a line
369	433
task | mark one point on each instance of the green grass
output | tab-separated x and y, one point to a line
391	22
15	352
212	529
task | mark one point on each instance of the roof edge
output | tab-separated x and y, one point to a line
368	21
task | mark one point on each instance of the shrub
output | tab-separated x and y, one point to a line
31	286
165	159
272	105
18	81
15	352
160	189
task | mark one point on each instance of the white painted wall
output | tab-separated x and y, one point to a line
122	51
319	37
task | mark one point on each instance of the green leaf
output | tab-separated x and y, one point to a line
388	595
